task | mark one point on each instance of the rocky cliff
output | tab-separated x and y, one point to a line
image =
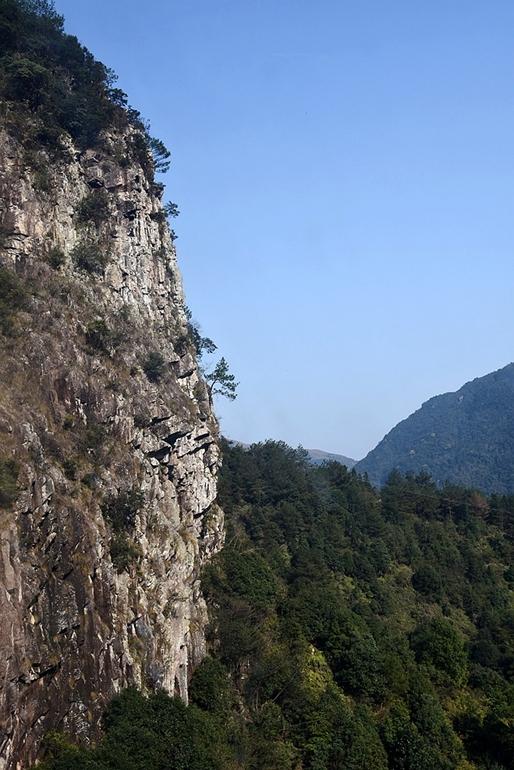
108	445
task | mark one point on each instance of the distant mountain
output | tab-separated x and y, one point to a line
465	437
318	456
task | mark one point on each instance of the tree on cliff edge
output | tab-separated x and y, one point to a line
220	381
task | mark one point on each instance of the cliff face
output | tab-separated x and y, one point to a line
116	468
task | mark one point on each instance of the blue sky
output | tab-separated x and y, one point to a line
345	175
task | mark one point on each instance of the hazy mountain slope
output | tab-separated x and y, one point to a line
316	456
465	437
320	456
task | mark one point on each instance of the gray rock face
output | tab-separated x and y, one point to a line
88	606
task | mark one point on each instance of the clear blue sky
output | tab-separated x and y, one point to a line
345	173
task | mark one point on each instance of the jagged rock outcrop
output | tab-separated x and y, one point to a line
91	603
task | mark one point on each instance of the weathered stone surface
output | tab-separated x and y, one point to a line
84	426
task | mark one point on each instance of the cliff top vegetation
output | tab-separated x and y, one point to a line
52	87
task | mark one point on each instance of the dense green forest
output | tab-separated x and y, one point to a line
350	631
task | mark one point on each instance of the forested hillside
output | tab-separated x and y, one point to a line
349	631
466	437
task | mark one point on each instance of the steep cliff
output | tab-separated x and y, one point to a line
108	445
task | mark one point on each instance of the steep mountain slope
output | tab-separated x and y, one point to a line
320	456
465	437
108	445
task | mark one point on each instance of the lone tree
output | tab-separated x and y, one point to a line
221	382
161	155
171	209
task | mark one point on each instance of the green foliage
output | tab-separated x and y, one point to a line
42	180
97	336
168	211
140	150
350	631
94	207
53	86
439	644
61	754
248	576
102	338
220	381
465	437
124	552
121	510
8	482
49	72
24	80
92	438
201	344
161	155
171	209
56	258
428	582
4	236
151	733
211	688
90	257
13	298
42	8
154	366
419	739
351	645
70	468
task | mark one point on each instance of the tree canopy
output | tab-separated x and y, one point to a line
52	87
350	631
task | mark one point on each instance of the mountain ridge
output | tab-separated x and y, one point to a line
462	436
320	456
